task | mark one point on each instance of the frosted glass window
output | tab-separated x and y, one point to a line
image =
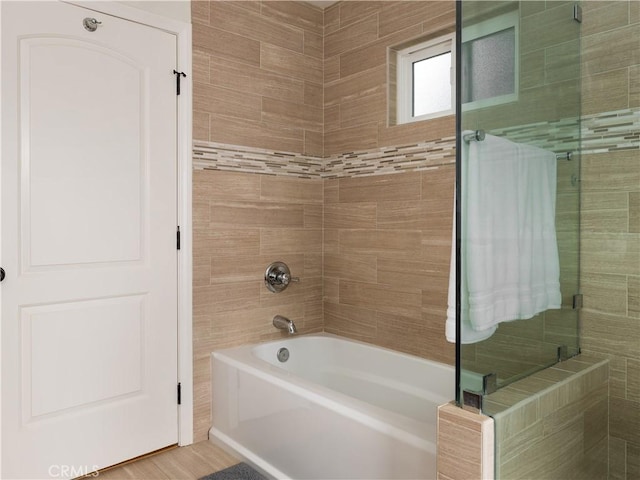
432	85
425	80
489	65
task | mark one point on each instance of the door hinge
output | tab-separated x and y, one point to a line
179	393
178	238
178	75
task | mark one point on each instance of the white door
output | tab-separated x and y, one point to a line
89	302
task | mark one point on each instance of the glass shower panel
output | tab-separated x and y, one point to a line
519	76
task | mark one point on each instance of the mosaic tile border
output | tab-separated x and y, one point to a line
601	133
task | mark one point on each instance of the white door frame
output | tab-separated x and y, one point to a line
182	31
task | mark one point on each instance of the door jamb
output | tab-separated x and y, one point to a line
182	31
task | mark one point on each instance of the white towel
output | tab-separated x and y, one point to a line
510	260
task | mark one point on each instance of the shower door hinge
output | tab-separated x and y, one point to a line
178	75
577	301
577	13
179	393
178	238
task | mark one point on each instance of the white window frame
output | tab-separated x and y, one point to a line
488	27
416	53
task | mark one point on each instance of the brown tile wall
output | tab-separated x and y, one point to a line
258	74
357	36
239	228
386	259
610	237
553	424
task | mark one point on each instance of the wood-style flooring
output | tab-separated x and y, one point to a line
180	463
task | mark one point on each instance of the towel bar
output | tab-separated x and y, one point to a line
479	135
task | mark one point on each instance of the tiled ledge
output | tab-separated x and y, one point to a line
554	422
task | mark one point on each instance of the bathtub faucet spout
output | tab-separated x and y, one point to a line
284	324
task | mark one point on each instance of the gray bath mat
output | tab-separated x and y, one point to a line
241	471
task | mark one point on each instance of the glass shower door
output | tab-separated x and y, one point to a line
519	85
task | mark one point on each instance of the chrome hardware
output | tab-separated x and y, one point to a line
489	383
477	136
472	401
563	353
283	355
577	301
284	324
577	13
278	277
90	24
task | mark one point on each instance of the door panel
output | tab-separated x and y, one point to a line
107	176
89	303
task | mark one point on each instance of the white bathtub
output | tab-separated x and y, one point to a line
337	409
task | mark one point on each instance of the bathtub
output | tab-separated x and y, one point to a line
336	409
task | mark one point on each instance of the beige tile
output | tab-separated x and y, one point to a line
609	334
462	431
361	84
201	126
200	67
263	214
633	289
634	86
287	62
531	7
421	215
313	45
298	14
290	190
233	18
220	43
200	11
288	113
255	80
604	92
362	137
604	293
363	110
350	215
360	33
617	459
229	296
418	132
218	185
313	143
352	12
547	28
400	301
381	242
532	68
633	460
331	69
351	321
633	380
601	17
201	273
244	241
331	241
414	273
250	268
609	253
562	62
313	95
331	119
360	268
331	291
276	241
259	134
399	15
611	50
634	212
397	187
223	101
313	216
624	419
